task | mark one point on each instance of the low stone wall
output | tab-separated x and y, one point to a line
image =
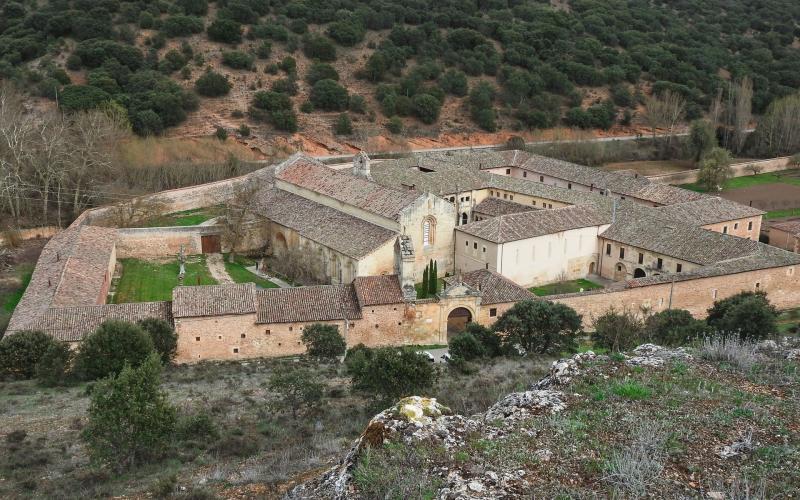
739	170
155	242
30	234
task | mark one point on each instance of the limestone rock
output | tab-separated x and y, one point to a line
655	355
564	370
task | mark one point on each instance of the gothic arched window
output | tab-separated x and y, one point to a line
428	230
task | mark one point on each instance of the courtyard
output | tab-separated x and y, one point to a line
571	286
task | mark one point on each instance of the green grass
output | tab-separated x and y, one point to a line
777	214
236	270
146	281
630	389
418	287
565	287
788	320
753	180
10	300
191	217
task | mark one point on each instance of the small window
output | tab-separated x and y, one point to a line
724	229
541	178
608	248
505	196
487	265
491	193
452	199
508	171
267	332
641	258
475	245
714	294
750	226
197	339
467	198
244	335
377	325
511	197
492	312
678	267
758	285
290	328
621	253
569	185
660	263
735	225
524	174
236	350
219	337
484	249
466	242
790	271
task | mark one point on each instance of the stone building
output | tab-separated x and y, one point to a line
785	235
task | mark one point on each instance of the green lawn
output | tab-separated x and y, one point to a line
191	217
753	180
565	287
9	301
777	214
236	270
146	281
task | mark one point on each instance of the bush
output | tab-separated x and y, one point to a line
426	108
264	50
297	387
748	314
323	341
540	326
390	373
343	125
328	95
53	367
82	97
285	85
673	327
288	65
221	134
395	125
357	104
193	7
225	31
175	26
617	331
108	349
318	47
454	82
237	60
466	347
244	130
22	351
198	427
739	353
165	340
490	341
347	32
321	71
130	420
356	359
212	84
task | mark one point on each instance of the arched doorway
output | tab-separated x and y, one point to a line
464	218
591	268
639	273
620	272
457	321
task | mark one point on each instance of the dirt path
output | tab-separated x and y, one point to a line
216	266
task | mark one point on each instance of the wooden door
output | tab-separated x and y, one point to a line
211	243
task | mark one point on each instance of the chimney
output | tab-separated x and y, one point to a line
361	165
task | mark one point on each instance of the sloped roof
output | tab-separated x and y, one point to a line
494	288
310	174
213	300
307	304
791	227
72	324
494	207
327	226
526	225
708	210
378	290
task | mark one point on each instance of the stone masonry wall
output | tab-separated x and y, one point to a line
739	170
148	243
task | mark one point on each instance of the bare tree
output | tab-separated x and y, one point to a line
664	111
135	212
239	216
778	131
742	112
50	160
16	144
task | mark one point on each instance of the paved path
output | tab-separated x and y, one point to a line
277	281
216	266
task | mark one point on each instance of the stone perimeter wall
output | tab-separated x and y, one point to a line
739	170
158	242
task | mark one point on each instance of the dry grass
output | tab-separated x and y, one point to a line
163	151
740	354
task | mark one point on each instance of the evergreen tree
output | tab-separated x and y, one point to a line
424	291
432	276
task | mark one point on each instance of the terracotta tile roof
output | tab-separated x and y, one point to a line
71	271
213	300
378	290
493	207
307	304
526	225
72	324
310	174
791	227
327	226
494	288
708	210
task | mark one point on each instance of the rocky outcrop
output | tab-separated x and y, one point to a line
656	356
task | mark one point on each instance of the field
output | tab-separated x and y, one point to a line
191	217
258	446
16	269
572	286
148	281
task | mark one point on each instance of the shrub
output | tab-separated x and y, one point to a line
393	372
673	327
617	331
244	130
515	142
179	25
454	82
225	31
748	314
343	125
395	125
53	367
221	134
198	427
296	387
426	108
540	326
466	347
108	349
347	32
357	104
212	84
264	50
165	340
356	359
739	353
284	119
130	420
285	85
490	341
288	65
193	7
318	47
82	97
237	60
323	341
321	71
328	95
22	351
636	467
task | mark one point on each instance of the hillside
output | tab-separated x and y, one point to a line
407	74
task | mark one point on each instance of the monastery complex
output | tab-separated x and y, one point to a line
496	223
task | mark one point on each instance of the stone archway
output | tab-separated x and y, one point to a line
639	273
620	272
457	321
464	218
